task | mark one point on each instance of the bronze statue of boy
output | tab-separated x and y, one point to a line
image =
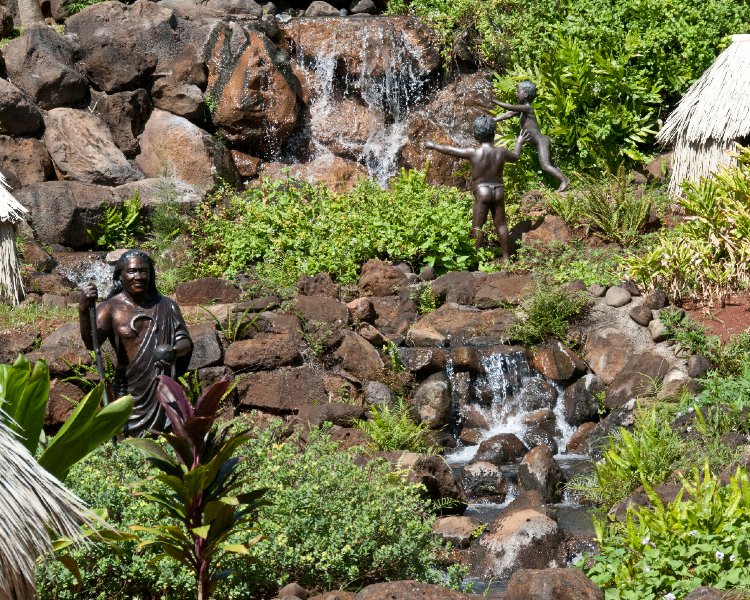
487	162
147	332
526	92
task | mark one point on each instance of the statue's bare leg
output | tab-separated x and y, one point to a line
498	217
482	203
543	148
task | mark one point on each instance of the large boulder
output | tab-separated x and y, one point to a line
338	174
179	98
538	471
462	323
524	535
395	314
359	357
556	361
63	212
18	114
541	428
125	113
282	391
24	161
501	288
432	400
606	351
536	393
206	290
207	350
265	351
41	63
501	449
249	82
638	377
431	471
379	278
343	126
581	400
552	584
457	286
83	149
174	145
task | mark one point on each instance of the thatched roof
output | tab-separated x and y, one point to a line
713	114
11	210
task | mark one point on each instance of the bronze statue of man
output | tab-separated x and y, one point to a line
487	162
147	332
526	92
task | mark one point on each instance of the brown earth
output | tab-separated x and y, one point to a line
726	321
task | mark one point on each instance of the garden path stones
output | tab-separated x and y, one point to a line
617	296
655	300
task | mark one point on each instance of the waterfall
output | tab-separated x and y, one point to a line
506	378
362	88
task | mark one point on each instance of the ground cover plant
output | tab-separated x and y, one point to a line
546	314
392	428
286	229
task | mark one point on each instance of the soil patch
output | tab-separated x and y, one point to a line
726	321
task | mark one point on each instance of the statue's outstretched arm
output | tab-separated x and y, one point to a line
519	108
505	116
515	154
451	150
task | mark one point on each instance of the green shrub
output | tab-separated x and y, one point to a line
667	551
334	524
705	256
546	315
287	229
120	225
394	428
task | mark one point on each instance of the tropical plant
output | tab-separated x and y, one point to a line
666	551
392	428
24	393
120	225
33	504
202	486
546	314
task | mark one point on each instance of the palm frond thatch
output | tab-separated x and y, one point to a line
32	503
711	117
12	212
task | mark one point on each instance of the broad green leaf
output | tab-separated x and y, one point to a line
28	411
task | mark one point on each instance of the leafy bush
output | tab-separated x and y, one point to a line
286	229
546	315
120	225
333	523
706	255
667	551
394	428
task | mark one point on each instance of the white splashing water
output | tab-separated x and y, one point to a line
506	376
96	271
387	96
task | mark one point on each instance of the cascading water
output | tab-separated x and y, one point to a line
507	381
378	97
88	268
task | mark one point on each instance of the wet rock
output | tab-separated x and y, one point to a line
536	393
83	149
457	531
41	64
422	360
179	98
482	479
183	149
470	437
207	350
434	473
265	351
378	394
23	161
617	296
206	290
247	166
379	278
473	417
637	378
578	442
501	449
361	310
284	390
432	400
541	428
581	400
539	471
455	286
655	300
125	113
552	584
606	351
641	315
18	341
466	358
358	357
524	535
318	285
18	114
550	228
62	212
557	362
250	82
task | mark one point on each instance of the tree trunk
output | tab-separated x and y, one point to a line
29	13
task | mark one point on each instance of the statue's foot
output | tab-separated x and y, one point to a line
564	185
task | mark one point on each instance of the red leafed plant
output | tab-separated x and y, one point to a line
202	485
